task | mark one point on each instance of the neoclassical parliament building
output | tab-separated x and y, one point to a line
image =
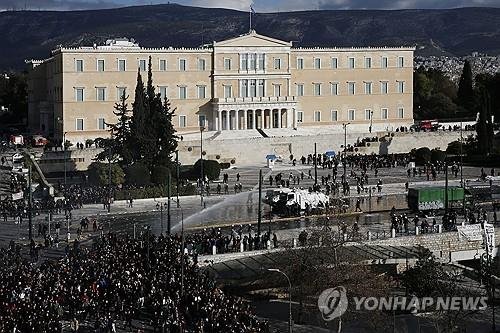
243	83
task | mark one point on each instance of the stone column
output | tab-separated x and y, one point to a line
228	116
219	120
237	119
245	121
287	116
254	118
279	118
294	117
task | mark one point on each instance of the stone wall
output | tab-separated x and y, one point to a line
252	151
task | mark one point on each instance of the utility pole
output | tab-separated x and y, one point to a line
109	183
345	149
30	200
315	165
169	181
177	176
446	188
259	217
202	182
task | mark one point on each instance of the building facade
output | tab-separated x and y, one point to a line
247	82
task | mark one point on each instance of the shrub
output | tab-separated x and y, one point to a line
99	174
160	175
437	155
422	155
138	174
211	169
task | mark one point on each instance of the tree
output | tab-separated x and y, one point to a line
437	155
211	169
422	155
465	95
164	140
118	147
138	174
99	174
484	125
138	121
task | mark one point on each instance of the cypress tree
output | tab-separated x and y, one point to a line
465	94
484	126
138	121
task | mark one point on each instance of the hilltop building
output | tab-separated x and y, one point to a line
243	83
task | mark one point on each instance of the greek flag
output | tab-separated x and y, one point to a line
252	10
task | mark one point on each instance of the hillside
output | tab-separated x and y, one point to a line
32	34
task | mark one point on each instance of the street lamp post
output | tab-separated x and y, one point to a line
371	120
65	168
202	182
276	270
345	148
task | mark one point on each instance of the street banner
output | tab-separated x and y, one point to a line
470	232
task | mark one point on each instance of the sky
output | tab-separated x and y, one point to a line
258	5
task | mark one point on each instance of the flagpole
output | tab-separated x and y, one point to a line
250	12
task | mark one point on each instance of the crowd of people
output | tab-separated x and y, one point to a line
117	280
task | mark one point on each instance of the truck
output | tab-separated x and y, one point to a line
433	198
294	202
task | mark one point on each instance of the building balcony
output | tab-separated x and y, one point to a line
255	100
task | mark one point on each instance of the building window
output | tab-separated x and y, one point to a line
182	121
228	91
335	115
79	92
351	114
182	64
401	113
142	65
317	63
401	87
101	124
260	88
100	65
163	65
401	62
351	88
352	63
317	115
317	89
300	89
243	88
79	124
182	92
277	90
163	92
368	88
300	116
385	62
120	92
253	88
300	63
243	61
201	64
202	120
227	64
335	63
384	113
368	62
261	58
368	114
334	88
122	65
384	87
100	94
79	65
277	63
201	92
